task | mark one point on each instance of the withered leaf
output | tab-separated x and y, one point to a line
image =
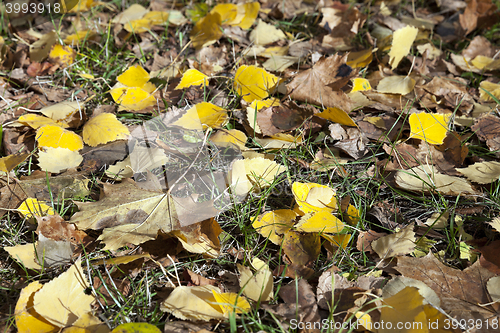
463	294
487	129
321	84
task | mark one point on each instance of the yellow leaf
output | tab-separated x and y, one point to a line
8	163
63	300
58	159
206	31
192	77
313	197
229	138
352	215
396	85
322	221
88	323
136	328
257	286
402	40
251	10
58	137
62	55
32	206
104	128
193	303
35	121
27	319
405	307
486	63
204	247
265	33
255	171
79	37
60	112
338	240
132	98
156	17
134	76
254	83
82	6
24	254
231	302
274	224
202	115
430	127
137	26
227	12
360	84
492	88
337	115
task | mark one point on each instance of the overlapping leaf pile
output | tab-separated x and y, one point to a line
235	96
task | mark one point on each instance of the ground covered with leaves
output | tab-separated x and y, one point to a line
265	166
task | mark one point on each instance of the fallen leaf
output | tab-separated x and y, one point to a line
302	250
254	83
463	294
192	77
104	128
322	221
487	129
482	172
426	178
402	40
265	33
337	115
136	327
27	319
8	163
193	303
206	31
431	128
134	76
396	85
321	84
58	159
63	300
397	244
231	138
32	207
231	302
274	224
24	255
254	173
313	198
64	56
201	116
58	137
257	286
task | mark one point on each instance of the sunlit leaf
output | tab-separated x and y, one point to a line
274	224
322	221
231	302
337	115
360	84
206	31
134	76
313	197
58	159
58	137
202	115
104	128
402	40
32	206
192	77
254	83
430	127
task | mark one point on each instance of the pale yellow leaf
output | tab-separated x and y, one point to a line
63	300
266	33
396	85
399	243
104	128
56	160
402	40
482	172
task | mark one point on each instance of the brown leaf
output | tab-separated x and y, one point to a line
487	129
300	292
282	118
321	84
462	293
490	259
196	279
302	250
366	238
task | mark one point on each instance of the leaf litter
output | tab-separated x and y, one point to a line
381	145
